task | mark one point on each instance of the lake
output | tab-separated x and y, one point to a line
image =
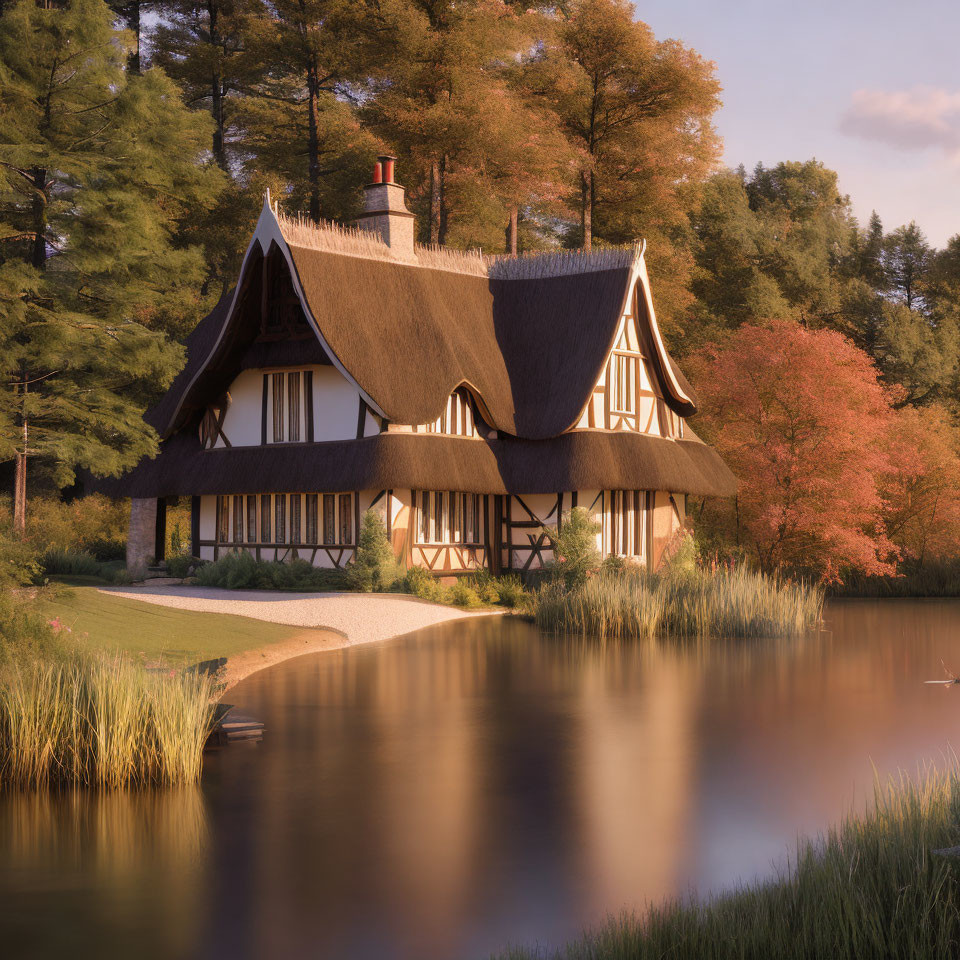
477	784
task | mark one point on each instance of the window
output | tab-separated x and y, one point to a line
346	518
628	522
438	517
329	518
266	536
223	519
295	518
293	406
278	408
449	517
238	519
625	372
311	517
457	417
280	515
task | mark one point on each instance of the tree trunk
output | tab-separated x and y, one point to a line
512	225
20	468
216	90
438	200
38	259
313	142
133	24
586	208
442	232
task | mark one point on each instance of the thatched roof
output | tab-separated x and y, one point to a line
580	460
528	335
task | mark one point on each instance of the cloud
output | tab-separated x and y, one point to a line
920	118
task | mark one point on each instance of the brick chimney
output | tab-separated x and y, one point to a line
386	213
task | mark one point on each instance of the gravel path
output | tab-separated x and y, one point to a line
353	618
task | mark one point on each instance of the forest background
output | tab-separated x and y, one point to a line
137	140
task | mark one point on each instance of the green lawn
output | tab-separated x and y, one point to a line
155	632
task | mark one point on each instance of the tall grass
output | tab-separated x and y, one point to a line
627	604
872	887
100	721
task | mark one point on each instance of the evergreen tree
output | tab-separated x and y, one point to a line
299	118
97	168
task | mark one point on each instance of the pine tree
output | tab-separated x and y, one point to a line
299	119
202	45
97	168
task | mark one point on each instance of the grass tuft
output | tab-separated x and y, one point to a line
101	721
872	887
631	604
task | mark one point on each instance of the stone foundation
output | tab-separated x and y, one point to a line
141	535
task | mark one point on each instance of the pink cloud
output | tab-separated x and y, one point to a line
920	118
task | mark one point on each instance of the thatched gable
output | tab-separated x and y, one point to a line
528	335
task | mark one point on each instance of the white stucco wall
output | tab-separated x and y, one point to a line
336	407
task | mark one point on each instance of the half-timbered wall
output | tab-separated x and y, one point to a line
312	403
627	395
634	524
450	533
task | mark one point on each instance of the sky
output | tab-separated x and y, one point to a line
871	89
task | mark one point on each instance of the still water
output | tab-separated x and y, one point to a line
477	784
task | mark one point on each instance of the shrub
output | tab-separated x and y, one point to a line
26	634
510	589
241	571
575	547
180	565
484	584
94	524
19	563
77	563
374	567
463	595
423	584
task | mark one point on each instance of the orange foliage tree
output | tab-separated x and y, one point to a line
922	491
803	421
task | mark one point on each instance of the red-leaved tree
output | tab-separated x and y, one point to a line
802	420
922	492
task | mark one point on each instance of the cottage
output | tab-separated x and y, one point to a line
469	400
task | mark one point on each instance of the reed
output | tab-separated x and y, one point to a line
101	721
631	604
871	887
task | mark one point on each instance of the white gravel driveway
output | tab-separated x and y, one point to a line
361	617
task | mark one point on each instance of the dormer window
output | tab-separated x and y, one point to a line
288	395
625	368
457	418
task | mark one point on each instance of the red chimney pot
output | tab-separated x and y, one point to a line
378	172
387	163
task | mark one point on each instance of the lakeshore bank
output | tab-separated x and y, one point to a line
330	621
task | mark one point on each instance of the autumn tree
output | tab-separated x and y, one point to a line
453	102
922	489
638	112
97	167
803	421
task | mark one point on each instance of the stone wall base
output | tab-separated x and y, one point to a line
141	535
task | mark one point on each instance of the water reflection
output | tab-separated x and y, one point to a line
478	784
119	872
